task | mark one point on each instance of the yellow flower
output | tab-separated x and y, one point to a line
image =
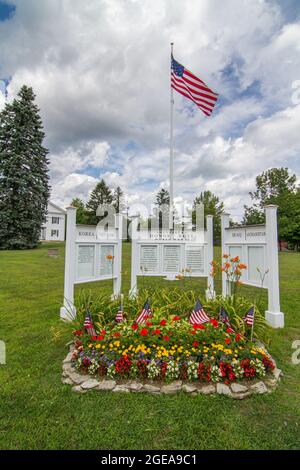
90	345
98	346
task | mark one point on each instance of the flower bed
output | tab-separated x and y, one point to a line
170	349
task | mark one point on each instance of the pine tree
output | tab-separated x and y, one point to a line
101	195
118	200
24	180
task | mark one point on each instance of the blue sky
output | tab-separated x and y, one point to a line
100	71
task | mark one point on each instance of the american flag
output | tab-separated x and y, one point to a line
144	314
89	325
249	317
224	317
199	315
119	317
190	86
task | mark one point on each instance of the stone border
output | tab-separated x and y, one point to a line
238	390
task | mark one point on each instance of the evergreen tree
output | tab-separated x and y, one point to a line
118	200
162	198
101	195
212	206
162	201
24	180
81	214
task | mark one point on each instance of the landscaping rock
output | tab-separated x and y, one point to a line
77	378
238	388
271	383
259	388
78	389
89	384
277	373
240	396
107	385
151	388
135	386
223	389
207	389
189	388
67	381
174	387
121	388
68	358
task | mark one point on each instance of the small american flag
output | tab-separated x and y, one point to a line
198	315
249	317
224	317
190	86
144	314
89	325
119	317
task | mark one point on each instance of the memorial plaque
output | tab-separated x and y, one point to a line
85	261
149	258
171	258
195	258
255	260
236	251
106	264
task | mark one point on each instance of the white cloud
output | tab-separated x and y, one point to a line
100	70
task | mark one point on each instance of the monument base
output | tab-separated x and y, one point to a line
67	314
275	319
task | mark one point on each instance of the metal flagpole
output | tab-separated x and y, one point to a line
171	221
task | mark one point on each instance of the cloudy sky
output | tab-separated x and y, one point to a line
101	73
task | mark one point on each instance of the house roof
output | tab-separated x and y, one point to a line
57	208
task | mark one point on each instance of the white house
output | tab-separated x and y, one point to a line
54	227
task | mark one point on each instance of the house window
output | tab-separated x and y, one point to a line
54	233
55	220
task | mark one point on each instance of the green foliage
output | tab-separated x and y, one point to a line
212	206
118	200
166	303
24	187
101	195
82	216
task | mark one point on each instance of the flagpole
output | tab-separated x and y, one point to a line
252	329
171	220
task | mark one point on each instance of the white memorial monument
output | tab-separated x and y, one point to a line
92	254
257	247
169	252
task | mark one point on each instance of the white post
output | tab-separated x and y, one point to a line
224	225
118	257
210	291
273	315
134	256
171	214
68	311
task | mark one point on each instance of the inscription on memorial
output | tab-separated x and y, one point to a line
195	258
171	258
86	255
149	258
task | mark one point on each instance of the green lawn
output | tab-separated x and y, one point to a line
38	412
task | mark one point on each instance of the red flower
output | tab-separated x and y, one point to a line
227	340
176	318
144	332
100	338
166	338
193	332
117	335
134	326
195	344
199	327
238	337
163	322
149	323
156	331
93	338
214	323
77	333
103	332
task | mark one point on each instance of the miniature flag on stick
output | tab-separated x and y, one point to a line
224	317
199	315
249	317
144	314
89	325
120	317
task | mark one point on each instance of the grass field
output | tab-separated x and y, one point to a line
38	412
